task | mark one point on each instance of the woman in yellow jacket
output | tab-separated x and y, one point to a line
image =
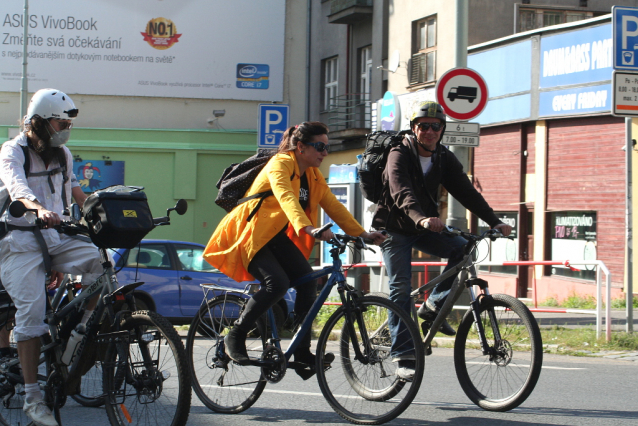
274	245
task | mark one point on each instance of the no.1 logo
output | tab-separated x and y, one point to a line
161	33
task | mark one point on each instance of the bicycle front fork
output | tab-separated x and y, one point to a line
475	305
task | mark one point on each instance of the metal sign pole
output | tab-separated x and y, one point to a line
456	215
25	79
629	249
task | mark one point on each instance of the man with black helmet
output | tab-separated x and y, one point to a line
408	210
26	252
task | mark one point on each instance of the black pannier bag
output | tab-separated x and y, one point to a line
118	217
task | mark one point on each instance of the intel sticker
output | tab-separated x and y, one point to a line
252	76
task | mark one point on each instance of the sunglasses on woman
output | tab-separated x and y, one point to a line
425	126
319	146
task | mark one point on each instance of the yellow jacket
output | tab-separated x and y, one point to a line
236	241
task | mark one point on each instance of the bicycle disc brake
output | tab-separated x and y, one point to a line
275	365
504	353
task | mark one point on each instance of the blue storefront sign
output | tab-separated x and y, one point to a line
390	115
576	57
578	100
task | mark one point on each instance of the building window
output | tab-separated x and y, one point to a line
330	82
573	238
532	18
423	63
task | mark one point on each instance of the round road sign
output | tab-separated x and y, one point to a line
462	93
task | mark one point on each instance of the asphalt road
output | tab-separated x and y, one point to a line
575	391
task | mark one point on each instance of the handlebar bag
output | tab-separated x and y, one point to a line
117	217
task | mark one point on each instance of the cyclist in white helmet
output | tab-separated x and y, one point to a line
35	168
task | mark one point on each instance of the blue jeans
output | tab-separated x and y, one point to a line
397	256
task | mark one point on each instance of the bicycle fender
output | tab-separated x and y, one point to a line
125	289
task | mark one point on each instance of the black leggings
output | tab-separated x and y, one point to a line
277	264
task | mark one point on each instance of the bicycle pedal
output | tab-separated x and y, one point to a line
428	350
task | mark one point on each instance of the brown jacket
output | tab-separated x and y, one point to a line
409	196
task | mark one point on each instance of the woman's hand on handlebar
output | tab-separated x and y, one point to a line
434	224
503	229
326	235
376	237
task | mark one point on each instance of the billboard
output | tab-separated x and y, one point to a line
171	48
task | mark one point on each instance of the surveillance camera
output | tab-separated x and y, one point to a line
219	112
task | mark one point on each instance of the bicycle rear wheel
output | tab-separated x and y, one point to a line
220	383
503	379
146	379
368	391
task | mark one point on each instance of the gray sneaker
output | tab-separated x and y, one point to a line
39	413
406	370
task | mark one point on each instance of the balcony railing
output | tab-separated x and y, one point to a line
349	112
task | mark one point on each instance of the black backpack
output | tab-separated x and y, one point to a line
373	161
236	180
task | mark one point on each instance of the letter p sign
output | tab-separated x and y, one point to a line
629	29
273	122
273	118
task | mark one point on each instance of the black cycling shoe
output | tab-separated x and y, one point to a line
304	356
235	342
428	316
445	328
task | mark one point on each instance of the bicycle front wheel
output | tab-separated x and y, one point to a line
506	376
146	379
91	388
366	389
220	383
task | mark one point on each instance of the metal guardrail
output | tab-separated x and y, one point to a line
600	269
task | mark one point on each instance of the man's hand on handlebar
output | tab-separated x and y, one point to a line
503	229
376	237
434	224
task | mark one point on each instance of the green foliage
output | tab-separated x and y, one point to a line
579	302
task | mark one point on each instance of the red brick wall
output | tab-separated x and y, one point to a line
586	171
497	166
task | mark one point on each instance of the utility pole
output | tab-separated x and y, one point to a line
25	80
457	216
629	149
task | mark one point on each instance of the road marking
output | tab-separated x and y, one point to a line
546	367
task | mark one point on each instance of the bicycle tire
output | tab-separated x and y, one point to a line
91	388
367	393
159	394
506	381
221	384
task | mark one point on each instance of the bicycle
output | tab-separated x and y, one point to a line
141	383
361	384
498	350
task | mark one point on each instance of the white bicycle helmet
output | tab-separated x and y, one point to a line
51	103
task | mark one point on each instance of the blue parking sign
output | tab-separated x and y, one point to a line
273	122
625	36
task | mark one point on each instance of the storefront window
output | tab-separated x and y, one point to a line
573	236
502	249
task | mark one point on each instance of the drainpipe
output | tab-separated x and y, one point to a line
308	45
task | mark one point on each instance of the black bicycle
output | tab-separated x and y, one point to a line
361	384
145	377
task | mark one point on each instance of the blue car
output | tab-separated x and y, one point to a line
172	272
